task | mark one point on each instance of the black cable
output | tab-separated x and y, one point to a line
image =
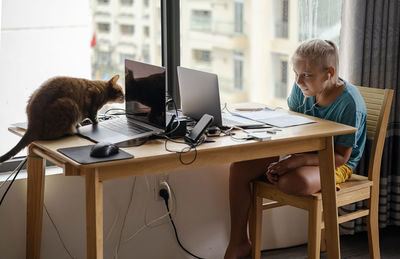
172	119
165	196
12	181
186	149
57	231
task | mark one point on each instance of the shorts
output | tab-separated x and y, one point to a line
342	174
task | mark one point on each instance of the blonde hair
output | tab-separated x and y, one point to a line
322	53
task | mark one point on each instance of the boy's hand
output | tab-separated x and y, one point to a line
272	177
279	168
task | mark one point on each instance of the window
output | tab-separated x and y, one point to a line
319	19
126	2
103	27
103	59
128	46
238	70
280	80
202	55
281	18
238	16
146	31
46	44
201	20
127	29
123	56
146	53
262	71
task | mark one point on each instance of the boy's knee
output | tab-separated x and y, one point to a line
295	184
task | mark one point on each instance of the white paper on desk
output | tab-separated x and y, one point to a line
275	118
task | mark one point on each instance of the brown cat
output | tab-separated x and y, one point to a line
59	104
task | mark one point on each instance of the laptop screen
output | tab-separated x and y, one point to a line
145	93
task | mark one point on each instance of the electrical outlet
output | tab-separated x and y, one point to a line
159	179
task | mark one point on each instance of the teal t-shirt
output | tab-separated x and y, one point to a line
349	108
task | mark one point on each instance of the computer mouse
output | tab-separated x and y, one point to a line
104	149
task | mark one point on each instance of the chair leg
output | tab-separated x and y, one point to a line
323	241
373	230
314	229
255	226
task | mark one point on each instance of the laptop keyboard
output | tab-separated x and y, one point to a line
124	127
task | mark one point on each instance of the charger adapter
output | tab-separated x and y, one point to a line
177	128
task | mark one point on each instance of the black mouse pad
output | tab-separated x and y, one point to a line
81	155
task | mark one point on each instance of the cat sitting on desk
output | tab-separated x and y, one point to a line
60	104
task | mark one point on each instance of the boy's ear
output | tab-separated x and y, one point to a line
331	72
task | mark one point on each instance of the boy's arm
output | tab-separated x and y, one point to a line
342	155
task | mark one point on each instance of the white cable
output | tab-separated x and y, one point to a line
147	183
149	224
124	220
57	231
145	226
112	226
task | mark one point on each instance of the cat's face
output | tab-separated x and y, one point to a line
115	92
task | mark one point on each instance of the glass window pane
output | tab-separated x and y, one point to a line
265	33
43	40
239	16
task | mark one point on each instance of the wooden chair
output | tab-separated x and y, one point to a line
357	188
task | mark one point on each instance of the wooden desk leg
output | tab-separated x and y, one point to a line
34	206
94	215
328	190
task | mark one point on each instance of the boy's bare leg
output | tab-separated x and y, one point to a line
241	174
301	181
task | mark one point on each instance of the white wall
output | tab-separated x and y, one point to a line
32	51
201	216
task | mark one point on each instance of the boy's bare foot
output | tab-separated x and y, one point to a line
237	251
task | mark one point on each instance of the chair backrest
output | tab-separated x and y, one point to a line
378	102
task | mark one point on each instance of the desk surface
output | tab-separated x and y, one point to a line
208	153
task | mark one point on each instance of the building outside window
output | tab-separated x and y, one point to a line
146	31
103	27
290	22
127	29
123	56
146	53
201	20
238	28
202	55
238	70
281	18
126	2
128	43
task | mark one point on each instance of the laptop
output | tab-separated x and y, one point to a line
199	94
145	105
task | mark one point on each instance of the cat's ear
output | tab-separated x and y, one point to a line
113	80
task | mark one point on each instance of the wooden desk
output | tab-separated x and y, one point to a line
152	158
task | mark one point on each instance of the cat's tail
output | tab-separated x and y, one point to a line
25	141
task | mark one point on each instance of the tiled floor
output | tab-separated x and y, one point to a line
352	247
